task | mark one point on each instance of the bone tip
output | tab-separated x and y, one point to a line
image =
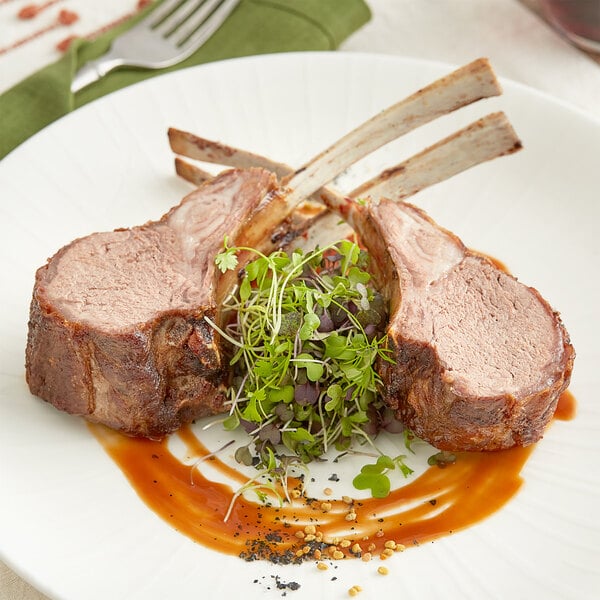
179	165
518	145
483	68
172	135
482	65
173	132
505	123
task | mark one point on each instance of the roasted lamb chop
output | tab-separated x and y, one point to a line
117	331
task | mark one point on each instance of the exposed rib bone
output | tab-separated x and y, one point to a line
457	89
485	139
191	173
461	87
238	159
193	146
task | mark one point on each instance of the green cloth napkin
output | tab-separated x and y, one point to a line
254	27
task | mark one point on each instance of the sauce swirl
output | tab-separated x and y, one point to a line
437	503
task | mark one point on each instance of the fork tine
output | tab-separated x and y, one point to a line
201	11
177	17
202	24
160	13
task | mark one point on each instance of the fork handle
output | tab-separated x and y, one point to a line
92	71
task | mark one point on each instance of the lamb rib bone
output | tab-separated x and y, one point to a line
198	148
460	88
487	138
191	173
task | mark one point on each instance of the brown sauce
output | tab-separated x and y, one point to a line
566	407
497	263
439	502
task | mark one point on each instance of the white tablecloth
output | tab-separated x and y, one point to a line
519	43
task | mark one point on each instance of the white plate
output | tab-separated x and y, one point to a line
69	521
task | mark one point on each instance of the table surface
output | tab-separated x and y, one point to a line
12	587
536	7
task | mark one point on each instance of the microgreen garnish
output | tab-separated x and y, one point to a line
374	476
306	330
226	260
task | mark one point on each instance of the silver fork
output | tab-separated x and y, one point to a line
168	35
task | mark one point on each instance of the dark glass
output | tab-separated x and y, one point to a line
579	20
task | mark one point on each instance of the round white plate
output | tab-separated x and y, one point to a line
69	521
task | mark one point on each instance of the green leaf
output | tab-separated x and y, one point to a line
352	373
371	469
314	368
405	469
321	299
336	395
381	487
271	463
386	462
350	251
336	347
283	348
379	484
280	260
356	275
236	356
284	394
312	320
256	268
245	289
347	426
309	303
359	417
231	422
314	371
335	392
263	368
227	260
251	412
305	332
302	435
297	257
333	405
362	481
243	456
262	496
303	413
409	438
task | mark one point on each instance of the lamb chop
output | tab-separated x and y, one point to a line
480	359
117	331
